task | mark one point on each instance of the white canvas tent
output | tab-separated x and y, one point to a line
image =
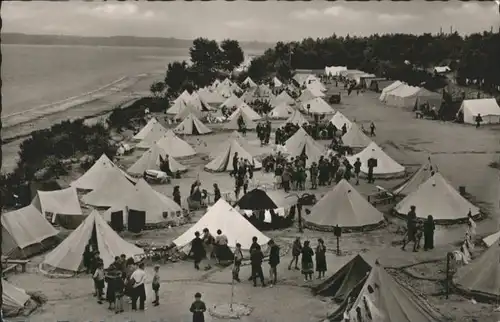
177	106
355	138
317	106
109	193
386	166
296	118
149	127
403	96
232	224
221	148
174	146
300	143
388	89
487	107
438	198
67	257
185	96
61	206
316	88
154	134
276	82
283	97
232	102
282	111
150	160
192	126
334	70
26	232
14	301
232	123
412	184
249	82
305	96
343	206
102	169
211	97
159	208
339	120
224	161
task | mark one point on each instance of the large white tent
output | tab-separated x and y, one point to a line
282	111
232	102
14	301
296	118
283	97
224	160
388	89
300	143
109	193
175	146
306	95
232	123
232	224
156	132
25	232
386	166
150	160
177	106
61	206
334	70
355	138
438	198
102	169
149	127
487	107
67	257
221	148
403	96
211	97
192	126
343	206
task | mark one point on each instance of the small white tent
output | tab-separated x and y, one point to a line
232	102
487	107
343	206
282	111
68	256
306	95
355	138
296	118
174	146
102	169
221	148
388	89
192	126
150	160
438	198
249	82
25	232
109	193
283	97
232	123
177	106
14	300
339	120
224	161
317	106
61	206
300	143
386	166
276	82
154	134
232	224
149	127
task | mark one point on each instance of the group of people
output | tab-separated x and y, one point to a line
264	132
416	229
242	173
207	247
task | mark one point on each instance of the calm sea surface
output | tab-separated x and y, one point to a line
34	75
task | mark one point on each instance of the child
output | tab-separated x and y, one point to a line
198	309
99	281
156	285
110	279
119	292
238	258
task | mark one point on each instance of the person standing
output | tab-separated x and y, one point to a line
321	258
296	251
119	292
177	195
217	194
198	308
429	227
372	129
479	120
274	260
357	170
254	246
99	281
235	165
307	261
313	171
238	258
197	250
156	285
256	258
138	291
372	163
411	225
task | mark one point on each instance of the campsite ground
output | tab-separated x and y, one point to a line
462	155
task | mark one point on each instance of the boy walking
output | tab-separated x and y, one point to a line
156	285
274	260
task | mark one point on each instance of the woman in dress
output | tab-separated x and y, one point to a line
429	228
307	261
321	258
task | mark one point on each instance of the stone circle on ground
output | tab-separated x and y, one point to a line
224	311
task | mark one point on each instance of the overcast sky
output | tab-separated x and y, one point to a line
242	20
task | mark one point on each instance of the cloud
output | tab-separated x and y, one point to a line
342	12
395	18
117	11
307	14
470	9
242	24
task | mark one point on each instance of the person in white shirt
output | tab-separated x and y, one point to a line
138	279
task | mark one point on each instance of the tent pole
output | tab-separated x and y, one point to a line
448	258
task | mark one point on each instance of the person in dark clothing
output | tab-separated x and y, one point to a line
165	165
479	119
372	163
307	261
344	129
235	165
429	228
217	194
197	250
296	251
198	308
87	257
177	195
321	258
274	260
254	246
110	278
256	258
357	170
372	129
411	225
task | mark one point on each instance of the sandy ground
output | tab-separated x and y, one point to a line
462	154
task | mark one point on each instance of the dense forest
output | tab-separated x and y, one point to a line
397	56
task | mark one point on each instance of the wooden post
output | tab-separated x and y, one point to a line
338	246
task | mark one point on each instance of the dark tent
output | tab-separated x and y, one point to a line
340	284
256	200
